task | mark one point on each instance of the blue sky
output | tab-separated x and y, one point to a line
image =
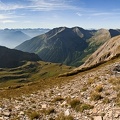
55	13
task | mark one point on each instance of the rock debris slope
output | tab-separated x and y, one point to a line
93	95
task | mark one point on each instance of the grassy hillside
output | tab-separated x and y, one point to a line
29	73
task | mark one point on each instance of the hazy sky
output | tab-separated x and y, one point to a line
55	13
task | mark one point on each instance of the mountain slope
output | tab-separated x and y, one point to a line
70	46
61	45
13	58
107	51
99	37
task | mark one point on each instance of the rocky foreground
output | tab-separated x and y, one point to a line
93	95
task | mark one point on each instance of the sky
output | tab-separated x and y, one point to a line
89	14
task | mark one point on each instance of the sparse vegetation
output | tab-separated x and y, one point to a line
106	100
57	99
85	107
99	88
115	81
95	96
107	93
48	111
84	88
75	103
91	81
118	99
63	117
79	106
34	115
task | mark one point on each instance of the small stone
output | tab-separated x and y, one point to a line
21	113
116	115
64	103
7	114
98	118
67	112
72	97
88	98
59	94
44	106
1	118
17	107
94	111
0	110
6	118
82	93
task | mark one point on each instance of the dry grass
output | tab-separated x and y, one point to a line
90	81
58	99
95	96
48	111
80	106
35	79
106	100
99	88
63	117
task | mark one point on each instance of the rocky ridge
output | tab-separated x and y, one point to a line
108	50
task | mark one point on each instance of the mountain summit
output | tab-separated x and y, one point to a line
60	45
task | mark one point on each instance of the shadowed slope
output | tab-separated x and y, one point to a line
13	58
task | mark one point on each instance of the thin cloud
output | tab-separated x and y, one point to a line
8	21
2	17
8	18
93	13
6	7
39	5
48	5
79	14
100	14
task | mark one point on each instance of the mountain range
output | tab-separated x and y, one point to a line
13	37
70	46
